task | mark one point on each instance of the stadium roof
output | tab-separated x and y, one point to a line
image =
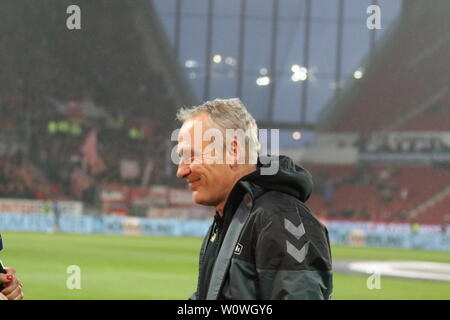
284	59
406	76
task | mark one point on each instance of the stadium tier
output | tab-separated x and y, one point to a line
395	124
436	213
105	116
379	193
436	118
109	111
407	74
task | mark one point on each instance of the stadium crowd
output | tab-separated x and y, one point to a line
52	100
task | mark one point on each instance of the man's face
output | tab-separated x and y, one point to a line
210	183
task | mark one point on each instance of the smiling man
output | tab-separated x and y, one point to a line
264	242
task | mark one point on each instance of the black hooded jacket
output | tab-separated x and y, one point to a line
267	245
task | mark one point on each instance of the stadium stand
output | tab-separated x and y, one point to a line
379	193
437	118
398	116
65	135
437	212
54	101
416	71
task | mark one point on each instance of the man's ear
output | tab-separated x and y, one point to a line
234	153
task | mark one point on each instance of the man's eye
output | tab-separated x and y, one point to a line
185	158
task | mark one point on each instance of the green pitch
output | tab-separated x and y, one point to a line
127	267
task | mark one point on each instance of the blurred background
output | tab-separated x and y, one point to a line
359	90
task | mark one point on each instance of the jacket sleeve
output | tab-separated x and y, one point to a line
293	258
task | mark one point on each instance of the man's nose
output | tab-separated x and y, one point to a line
183	170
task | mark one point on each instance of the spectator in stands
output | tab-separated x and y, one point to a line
403	216
348	213
384	174
362	214
404	193
328	192
415	227
386	194
445	224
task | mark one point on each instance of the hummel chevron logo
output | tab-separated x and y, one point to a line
298	255
297	232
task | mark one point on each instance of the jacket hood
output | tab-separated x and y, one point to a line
290	178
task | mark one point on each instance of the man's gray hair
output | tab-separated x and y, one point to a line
226	114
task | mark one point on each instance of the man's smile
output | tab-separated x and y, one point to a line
194	183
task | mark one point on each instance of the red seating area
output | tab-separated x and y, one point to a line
332	171
422	183
435	214
433	120
427	122
380	193
350	197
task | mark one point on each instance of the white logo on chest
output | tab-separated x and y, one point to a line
238	249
